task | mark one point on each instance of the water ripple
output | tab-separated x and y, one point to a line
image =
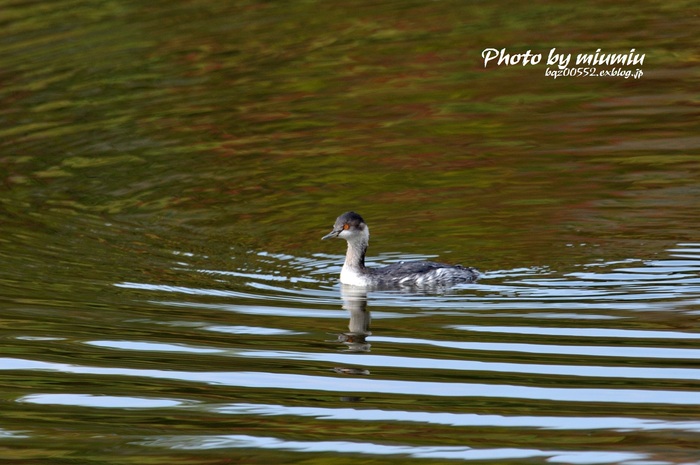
100	401
264	380
366	448
581	332
457	419
588	351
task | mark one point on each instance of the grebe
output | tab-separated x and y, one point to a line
351	227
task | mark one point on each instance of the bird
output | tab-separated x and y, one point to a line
413	274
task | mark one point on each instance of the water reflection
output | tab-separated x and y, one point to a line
582	368
355	303
583	422
355	339
165	172
369	448
103	401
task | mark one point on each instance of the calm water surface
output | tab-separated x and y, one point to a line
168	170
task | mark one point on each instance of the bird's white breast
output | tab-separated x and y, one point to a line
352	276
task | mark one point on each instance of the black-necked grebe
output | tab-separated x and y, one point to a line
351	227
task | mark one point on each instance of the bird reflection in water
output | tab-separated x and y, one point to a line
355	339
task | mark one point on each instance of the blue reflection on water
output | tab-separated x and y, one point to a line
426	452
349	385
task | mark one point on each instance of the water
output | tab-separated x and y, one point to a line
169	169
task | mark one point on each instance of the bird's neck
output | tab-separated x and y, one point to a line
357	248
355	256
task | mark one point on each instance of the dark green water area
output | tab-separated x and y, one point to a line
167	170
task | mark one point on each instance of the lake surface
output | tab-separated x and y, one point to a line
168	170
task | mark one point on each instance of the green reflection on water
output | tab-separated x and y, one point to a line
134	133
256	124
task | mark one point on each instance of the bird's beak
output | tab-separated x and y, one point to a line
331	234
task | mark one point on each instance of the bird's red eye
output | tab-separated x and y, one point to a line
346	226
